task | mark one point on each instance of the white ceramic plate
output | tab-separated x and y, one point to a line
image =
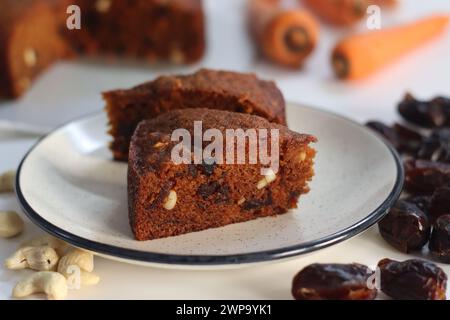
68	185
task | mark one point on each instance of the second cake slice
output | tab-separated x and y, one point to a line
168	197
212	89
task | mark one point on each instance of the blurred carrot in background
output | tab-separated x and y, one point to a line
384	3
357	56
284	36
338	12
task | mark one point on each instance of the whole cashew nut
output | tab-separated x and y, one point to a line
89	278
47	240
7	181
77	277
36	258
51	283
77	257
84	261
11	224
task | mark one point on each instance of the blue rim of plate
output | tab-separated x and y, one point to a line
217	260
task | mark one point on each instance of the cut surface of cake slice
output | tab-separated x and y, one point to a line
223	90
167	197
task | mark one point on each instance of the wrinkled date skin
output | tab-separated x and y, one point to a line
429	114
405	227
410	140
403	139
333	282
424	177
440	239
436	147
412	280
422	202
387	132
439	203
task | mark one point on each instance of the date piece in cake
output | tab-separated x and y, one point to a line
213	89
168	199
154	30
29	43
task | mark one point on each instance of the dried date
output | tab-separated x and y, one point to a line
387	132
440	239
436	147
412	280
424	177
440	203
403	139
405	227
429	114
422	202
410	140
333	282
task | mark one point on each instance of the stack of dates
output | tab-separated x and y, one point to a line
424	215
421	217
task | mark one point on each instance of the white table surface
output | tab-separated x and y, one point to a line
71	89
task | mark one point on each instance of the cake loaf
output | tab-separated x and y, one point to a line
153	30
167	198
34	34
29	43
223	90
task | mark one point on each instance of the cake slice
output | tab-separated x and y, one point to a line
169	198
222	90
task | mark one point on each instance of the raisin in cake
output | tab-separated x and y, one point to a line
167	199
29	43
213	89
153	30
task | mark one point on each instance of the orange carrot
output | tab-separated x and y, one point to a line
339	12
360	55
284	36
384	3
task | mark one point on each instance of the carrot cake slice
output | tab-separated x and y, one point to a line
213	89
173	189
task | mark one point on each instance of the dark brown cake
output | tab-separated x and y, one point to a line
155	30
29	43
33	34
214	89
168	199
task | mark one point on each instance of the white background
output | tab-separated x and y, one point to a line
72	89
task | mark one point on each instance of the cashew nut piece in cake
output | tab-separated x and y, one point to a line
37	258
58	245
7	181
51	283
11	224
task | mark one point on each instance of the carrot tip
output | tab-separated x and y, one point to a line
297	39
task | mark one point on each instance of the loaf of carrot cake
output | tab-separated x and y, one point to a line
152	30
224	90
36	33
169	198
29	43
